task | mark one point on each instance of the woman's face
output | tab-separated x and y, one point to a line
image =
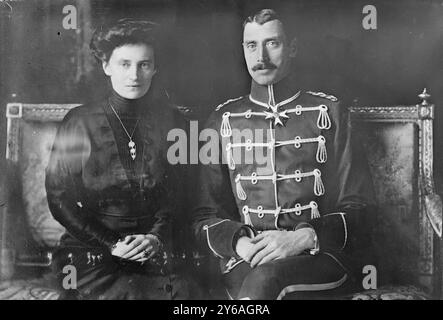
131	68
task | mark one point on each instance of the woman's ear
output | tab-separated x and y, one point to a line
293	48
106	69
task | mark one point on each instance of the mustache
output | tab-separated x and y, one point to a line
264	66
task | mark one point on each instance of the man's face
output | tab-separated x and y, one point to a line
131	68
267	51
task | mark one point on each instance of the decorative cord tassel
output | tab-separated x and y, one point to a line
225	129
314	210
322	155
245	211
241	194
323	121
230	157
319	188
276	215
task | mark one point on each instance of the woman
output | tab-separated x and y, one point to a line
108	181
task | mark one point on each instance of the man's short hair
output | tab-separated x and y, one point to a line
262	16
266	15
125	31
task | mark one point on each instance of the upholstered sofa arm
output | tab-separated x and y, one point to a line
434	208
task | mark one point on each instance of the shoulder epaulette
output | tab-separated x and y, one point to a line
323	95
226	102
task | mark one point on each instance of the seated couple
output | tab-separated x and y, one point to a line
290	227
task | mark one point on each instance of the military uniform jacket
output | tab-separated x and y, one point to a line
89	190
286	161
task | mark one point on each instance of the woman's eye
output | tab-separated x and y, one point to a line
126	65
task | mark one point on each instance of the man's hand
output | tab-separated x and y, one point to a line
137	247
244	247
273	244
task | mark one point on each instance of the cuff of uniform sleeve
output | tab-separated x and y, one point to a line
220	237
244	231
331	230
316	249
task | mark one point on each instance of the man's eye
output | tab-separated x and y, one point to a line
251	46
273	43
145	65
125	65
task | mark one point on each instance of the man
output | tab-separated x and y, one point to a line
286	224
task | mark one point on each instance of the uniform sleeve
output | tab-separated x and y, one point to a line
347	222
70	151
215	219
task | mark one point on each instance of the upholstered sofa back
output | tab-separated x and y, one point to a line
398	144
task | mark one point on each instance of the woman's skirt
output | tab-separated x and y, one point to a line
93	273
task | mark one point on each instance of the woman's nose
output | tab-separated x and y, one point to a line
133	73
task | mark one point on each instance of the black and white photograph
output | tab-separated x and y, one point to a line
221	150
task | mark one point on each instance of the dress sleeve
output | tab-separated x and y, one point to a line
70	151
170	191
162	227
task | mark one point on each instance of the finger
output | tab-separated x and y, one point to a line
274	255
128	239
260	255
142	260
262	235
142	254
256	248
139	255
153	252
136	248
135	242
121	249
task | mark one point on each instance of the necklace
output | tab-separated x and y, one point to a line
131	143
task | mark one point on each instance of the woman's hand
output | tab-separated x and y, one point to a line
137	247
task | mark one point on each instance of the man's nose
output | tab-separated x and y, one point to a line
262	54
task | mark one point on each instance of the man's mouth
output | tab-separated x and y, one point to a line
264	67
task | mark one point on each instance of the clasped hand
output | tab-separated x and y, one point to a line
137	247
274	244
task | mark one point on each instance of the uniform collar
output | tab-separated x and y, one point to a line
274	95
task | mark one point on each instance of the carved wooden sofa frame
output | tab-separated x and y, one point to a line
424	259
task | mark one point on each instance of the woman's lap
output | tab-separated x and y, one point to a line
98	275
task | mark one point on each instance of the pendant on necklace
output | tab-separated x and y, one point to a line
132	150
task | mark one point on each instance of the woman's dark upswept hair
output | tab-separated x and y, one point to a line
125	31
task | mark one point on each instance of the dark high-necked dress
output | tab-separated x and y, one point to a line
100	194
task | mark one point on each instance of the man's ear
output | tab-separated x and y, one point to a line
293	48
105	66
